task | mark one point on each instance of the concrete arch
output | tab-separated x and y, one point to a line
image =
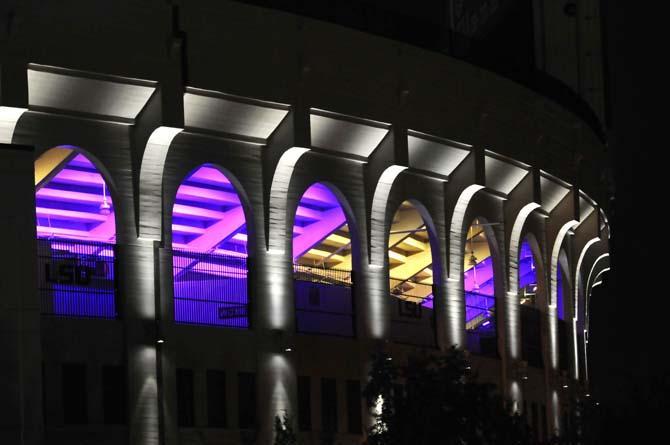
151	182
515	244
455	300
541	302
577	289
601	263
281	182
558	256
378	215
498	277
555	251
595	267
578	271
9	117
596	280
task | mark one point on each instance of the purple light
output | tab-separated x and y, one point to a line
76	278
559	293
319	214
480	300
209	244
74	203
527	274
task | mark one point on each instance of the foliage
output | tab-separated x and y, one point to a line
284	434
439	402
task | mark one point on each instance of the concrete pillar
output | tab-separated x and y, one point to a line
21	359
274	321
136	272
167	371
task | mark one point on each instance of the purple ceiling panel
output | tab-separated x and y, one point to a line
318	215
75	203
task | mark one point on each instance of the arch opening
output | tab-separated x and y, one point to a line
411	276
323	253
76	232
479	289
530	306
209	251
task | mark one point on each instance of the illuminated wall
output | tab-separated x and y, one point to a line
75	226
209	241
478	285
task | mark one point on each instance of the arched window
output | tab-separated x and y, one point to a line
410	260
530	313
478	282
76	231
209	242
322	264
560	305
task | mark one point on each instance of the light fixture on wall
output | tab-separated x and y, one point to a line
105	208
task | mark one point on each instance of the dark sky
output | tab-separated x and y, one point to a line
629	328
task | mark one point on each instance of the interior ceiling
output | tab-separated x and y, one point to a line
410	257
320	232
71	199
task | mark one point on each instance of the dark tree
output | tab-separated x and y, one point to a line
437	400
284	434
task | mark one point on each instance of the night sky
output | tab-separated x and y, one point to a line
629	364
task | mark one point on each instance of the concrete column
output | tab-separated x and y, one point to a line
167	373
137	294
274	321
21	359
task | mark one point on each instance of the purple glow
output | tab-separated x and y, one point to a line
71	204
208	215
480	303
76	278
75	227
527	275
560	309
319	214
209	244
324	309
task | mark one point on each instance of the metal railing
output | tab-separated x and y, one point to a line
323	301
210	289
479	309
315	274
76	278
480	323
